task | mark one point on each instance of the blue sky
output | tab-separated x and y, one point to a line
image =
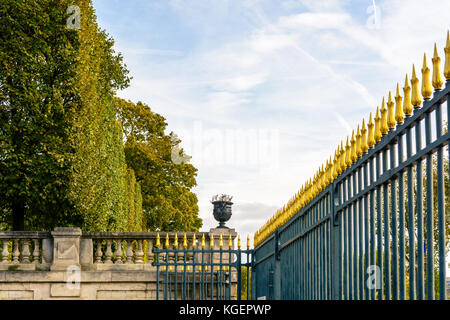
261	92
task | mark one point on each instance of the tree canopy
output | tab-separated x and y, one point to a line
63	160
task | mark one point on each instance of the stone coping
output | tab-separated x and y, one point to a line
24	234
141	235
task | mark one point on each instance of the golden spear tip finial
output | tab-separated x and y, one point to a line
414	76
426	81
175	243
211	241
447	57
377	114
370	120
248	242
406	81
167	240
194	242
239	241
435	53
424	60
158	241
383	106
437	80
185	244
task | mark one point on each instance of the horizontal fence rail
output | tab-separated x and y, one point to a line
378	230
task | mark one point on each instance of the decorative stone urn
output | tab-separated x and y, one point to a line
222	209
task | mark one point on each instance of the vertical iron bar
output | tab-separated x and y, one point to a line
401	212
176	273
157	273
350	244
372	223
411	231
355	240
366	234
194	251
212	274
387	269
394	227
202	285
346	244
166	282
360	240
379	230
441	207
239	275
430	214
419	208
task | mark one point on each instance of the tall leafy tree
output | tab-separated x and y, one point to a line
61	152
38	67
167	200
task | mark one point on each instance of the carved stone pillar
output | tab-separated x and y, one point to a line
66	248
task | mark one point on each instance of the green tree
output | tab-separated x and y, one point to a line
38	66
61	151
167	202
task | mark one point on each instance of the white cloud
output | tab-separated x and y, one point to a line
312	74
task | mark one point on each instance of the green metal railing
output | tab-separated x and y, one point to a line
377	231
200	273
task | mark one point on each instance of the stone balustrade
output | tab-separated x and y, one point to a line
134	250
25	250
38	265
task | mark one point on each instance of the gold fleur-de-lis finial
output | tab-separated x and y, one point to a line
416	99
175	242
437	76
407	105
185	243
447	58
353	148
371	134
336	164
378	133
158	241
426	81
211	241
359	150
364	144
391	115
348	158
167	244
343	157
194	242
399	115
384	124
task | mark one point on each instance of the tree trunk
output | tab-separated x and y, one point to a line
18	210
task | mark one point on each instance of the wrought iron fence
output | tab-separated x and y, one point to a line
372	222
201	273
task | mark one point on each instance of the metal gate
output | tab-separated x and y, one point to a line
214	273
